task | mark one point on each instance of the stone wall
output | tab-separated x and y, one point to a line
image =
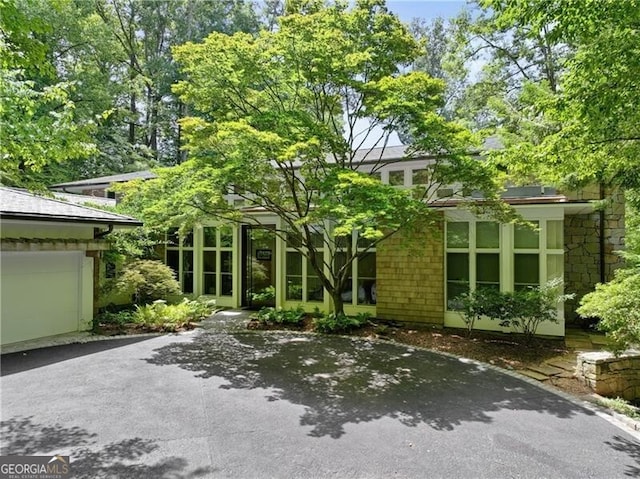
410	277
610	376
582	246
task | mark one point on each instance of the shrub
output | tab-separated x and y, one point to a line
617	304
118	318
478	304
171	316
525	310
338	323
147	281
522	310
281	316
265	295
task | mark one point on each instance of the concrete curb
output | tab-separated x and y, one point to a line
67	339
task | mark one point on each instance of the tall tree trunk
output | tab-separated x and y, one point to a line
181	154
132	106
338	303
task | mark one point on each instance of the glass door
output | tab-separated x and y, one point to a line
259	266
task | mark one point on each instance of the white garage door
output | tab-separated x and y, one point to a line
41	294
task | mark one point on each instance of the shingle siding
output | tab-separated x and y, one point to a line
410	278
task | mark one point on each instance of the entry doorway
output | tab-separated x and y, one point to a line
258	266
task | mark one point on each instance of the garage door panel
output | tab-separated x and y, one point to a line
40	294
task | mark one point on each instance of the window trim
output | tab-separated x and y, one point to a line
542	213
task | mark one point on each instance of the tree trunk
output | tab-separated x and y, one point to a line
132	101
338	304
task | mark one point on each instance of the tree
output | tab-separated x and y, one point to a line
277	116
585	118
441	42
584	127
38	124
112	62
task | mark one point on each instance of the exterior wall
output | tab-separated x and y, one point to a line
21	229
410	278
582	263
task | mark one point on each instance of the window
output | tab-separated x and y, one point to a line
362	272
396	178
179	256
484	254
303	282
420	177
526	257
217	261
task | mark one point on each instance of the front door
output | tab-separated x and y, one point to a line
259	266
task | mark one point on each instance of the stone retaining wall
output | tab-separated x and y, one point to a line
610	376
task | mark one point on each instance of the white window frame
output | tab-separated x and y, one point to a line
507	251
181	249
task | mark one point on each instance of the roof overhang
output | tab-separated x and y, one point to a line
36	218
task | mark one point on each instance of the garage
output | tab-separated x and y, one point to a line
41	294
49	264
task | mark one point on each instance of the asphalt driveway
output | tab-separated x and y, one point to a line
242	404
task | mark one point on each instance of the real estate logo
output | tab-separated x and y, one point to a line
34	467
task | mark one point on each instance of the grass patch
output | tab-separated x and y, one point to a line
620	406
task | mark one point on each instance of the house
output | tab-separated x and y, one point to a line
245	266
49	264
99	187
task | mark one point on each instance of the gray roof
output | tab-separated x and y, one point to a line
364	155
23	205
85	200
102	180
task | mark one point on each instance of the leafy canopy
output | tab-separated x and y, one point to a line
587	128
278	117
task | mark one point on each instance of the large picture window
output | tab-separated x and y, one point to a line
361	288
484	254
473	258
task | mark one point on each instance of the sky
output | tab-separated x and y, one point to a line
427	9
407	10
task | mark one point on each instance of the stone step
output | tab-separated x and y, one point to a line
562	364
533	374
579	343
546	369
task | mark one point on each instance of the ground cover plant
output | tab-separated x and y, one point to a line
156	316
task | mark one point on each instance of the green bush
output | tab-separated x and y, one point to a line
617	304
147	281
171	316
522	310
480	303
119	318
265	295
525	310
281	316
339	323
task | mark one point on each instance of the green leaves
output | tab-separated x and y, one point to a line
582	124
617	304
276	117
